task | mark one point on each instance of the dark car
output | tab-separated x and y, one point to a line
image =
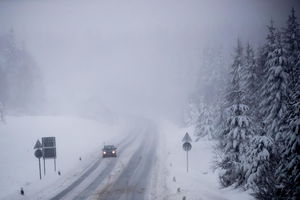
109	151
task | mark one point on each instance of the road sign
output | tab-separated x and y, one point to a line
186	138
49	150
49	147
48	142
187	146
37	145
38	153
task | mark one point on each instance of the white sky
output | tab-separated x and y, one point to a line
135	55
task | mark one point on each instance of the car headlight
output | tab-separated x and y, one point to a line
104	152
113	152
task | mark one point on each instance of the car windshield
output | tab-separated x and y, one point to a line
109	147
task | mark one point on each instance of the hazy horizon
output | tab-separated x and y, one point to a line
132	56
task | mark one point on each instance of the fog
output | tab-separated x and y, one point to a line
137	57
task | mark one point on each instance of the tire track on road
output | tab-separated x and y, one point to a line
133	181
76	183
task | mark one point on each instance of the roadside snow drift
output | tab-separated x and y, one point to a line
75	138
200	182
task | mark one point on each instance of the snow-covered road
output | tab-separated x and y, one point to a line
124	177
133	181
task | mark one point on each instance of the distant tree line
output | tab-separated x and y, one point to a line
204	104
259	131
20	78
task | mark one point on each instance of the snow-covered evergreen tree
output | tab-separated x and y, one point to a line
261	71
271	38
237	128
191	113
235	143
258	160
204	126
291	42
20	78
264	52
250	80
288	173
276	96
260	122
266	186
275	90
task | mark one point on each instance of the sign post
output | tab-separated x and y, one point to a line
187	147
54	164
49	150
44	166
38	153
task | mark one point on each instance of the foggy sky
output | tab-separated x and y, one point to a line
134	56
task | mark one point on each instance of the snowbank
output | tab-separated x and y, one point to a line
200	182
75	137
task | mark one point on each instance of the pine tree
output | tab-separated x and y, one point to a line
258	160
266	186
237	128
260	73
250	79
288	173
264	68
275	90
273	107
204	126
291	41
20	78
191	113
266	50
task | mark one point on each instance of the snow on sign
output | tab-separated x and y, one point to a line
37	145
186	138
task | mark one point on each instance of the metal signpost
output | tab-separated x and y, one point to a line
38	153
49	150
187	147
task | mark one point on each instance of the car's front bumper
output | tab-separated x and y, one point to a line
109	154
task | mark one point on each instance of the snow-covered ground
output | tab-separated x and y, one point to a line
75	137
201	182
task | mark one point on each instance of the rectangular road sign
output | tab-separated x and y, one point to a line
49	147
49	152
48	142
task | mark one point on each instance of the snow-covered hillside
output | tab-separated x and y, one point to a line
75	137
201	182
